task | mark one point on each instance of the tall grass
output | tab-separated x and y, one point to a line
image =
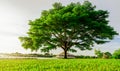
59	65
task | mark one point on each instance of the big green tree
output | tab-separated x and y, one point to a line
68	27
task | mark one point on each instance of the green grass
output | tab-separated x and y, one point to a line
59	65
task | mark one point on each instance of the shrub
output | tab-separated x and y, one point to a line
116	54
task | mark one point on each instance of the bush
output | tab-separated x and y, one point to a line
85	57
107	55
116	54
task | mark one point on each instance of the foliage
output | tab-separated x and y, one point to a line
98	53
26	55
59	65
73	26
107	55
116	54
103	54
85	57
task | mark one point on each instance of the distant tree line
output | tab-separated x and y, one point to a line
85	57
17	54
98	53
115	55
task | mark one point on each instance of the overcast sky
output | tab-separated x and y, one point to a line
14	16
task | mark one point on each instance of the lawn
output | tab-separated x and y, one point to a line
59	65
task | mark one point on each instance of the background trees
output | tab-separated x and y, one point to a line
107	55
73	26
100	54
116	54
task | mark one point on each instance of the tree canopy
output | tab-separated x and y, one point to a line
68	27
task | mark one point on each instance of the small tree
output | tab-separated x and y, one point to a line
116	54
73	26
107	55
98	53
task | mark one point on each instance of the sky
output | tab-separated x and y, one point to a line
15	14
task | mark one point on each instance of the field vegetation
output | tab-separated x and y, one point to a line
59	65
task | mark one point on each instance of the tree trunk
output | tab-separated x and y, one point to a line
65	54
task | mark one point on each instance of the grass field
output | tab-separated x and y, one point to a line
59	65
